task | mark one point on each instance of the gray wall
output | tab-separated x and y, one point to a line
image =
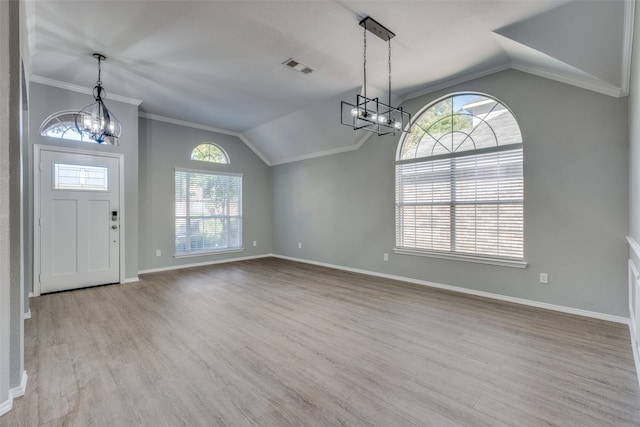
341	207
5	227
11	322
15	106
46	100
165	146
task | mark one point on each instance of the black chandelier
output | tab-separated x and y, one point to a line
369	113
95	120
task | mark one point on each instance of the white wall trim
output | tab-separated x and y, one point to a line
27	315
324	153
531	303
21	389
634	245
185	123
200	264
14	393
254	149
81	89
634	289
131	279
636	356
207	253
627	43
456	81
589	84
6	406
465	258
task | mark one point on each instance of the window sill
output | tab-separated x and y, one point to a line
205	253
467	258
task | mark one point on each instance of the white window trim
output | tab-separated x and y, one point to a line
480	259
503	262
192	254
205	253
208	172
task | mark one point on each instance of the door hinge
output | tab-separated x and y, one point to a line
39	278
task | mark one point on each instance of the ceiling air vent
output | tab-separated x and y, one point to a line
298	66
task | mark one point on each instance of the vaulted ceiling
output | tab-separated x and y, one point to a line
219	63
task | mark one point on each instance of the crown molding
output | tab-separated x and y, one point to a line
185	123
324	153
456	81
254	149
81	89
316	154
589	84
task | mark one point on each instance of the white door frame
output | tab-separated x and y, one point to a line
37	149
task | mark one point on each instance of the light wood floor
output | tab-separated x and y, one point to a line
275	343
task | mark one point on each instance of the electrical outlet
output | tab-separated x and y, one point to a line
299	245
385	257
255	243
158	252
544	278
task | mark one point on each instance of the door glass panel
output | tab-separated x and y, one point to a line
80	177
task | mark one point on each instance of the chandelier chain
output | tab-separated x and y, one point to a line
364	62
389	41
99	72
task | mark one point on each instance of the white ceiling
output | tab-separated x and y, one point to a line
219	63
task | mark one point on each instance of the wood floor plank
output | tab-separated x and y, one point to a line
270	342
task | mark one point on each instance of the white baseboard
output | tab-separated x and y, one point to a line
21	389
131	279
6	406
27	315
636	356
199	264
531	303
14	393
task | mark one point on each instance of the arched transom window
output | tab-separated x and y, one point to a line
208	152
459	182
62	125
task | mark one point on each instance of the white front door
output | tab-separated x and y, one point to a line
79	220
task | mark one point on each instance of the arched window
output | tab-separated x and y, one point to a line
208	152
459	182
62	125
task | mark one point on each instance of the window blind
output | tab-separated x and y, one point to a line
208	212
470	204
